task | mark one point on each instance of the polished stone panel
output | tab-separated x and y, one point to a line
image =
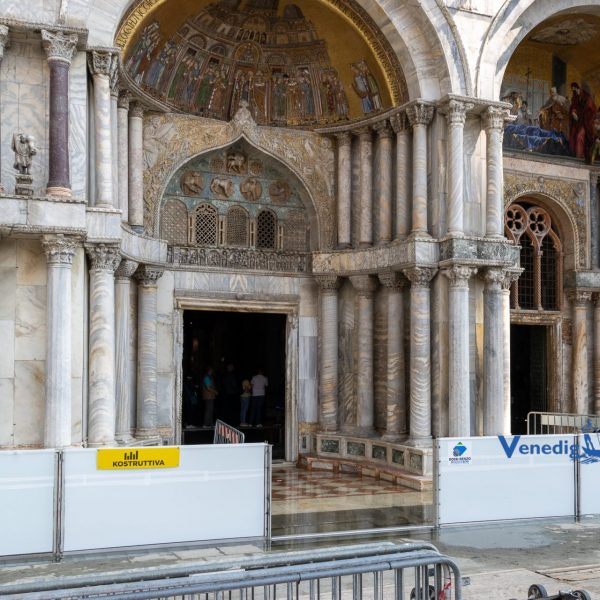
6	410
30	322
7	356
29	414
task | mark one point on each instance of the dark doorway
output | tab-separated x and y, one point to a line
249	342
528	373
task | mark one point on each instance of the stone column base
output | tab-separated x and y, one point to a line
62	192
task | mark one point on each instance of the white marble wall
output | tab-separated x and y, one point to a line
166	366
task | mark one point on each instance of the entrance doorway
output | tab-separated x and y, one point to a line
236	345
528	373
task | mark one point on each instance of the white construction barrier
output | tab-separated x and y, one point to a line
512	477
27	483
589	474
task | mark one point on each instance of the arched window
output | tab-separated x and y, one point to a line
205	227
266	230
237	227
174	222
540	285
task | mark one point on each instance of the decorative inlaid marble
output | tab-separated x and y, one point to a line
355	448
379	452
398	456
330	446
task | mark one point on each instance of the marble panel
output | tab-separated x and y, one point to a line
309	298
78	126
9	102
8	250
308	357
308	326
355	448
330	446
7	411
29	406
13	212
143	248
7	356
397	456
31	263
307	402
30	323
78	313
164	346
41	213
164	297
103	223
8	285
165	385
76	410
379	452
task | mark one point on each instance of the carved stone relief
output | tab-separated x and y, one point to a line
191	183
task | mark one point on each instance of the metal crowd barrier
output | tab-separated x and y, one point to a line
547	423
377	571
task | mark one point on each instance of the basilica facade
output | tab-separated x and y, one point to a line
409	186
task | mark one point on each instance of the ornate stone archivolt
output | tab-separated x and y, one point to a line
171	140
569	194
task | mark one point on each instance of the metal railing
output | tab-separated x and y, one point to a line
547	423
377	571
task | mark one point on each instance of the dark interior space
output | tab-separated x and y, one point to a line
249	342
528	373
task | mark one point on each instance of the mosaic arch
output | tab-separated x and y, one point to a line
303	63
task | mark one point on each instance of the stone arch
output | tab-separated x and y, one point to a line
511	25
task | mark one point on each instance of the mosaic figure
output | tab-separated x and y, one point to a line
554	113
582	113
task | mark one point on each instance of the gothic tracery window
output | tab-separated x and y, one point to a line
266	230
540	284
205	227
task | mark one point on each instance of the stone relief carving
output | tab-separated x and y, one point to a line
279	192
569	194
191	183
221	187
251	189
23	146
236	163
255	167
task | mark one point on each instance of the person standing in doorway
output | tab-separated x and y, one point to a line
245	402
259	387
209	393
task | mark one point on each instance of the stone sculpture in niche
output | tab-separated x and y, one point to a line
191	183
255	167
279	191
23	146
221	187
236	163
251	189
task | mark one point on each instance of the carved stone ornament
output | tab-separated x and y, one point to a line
237	163
104	257
148	276
400	123
343	139
251	189
494	117
221	187
3	39
383	129
456	112
124	99
191	183
579	298
420	276
136	109
392	280
279	191
494	278
59	46
23	146
509	278
364	285
60	249
363	133
255	167
419	114
328	283
102	63
126	269
459	275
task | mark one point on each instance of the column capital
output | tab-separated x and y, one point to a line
344	138
419	113
59	46
328	283
364	284
509	278
363	133
383	129
400	123
494	117
124	99
392	280
579	298
102	63
456	111
60	249
494	277
104	257
136	109
420	277
3	39
126	269
459	275
148	275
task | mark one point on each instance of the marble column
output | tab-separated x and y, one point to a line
456	114
114	130
123	332
328	358
595	220
419	116
344	189
147	400
365	149
59	51
596	354
136	166
580	301
57	423
420	355
384	178
3	45
102	65
403	175
364	286
459	372
104	259
395	423
123	153
506	285
493	121
493	353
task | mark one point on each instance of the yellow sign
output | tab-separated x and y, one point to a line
137	458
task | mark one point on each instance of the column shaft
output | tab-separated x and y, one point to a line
384	178
3	43
366	187
344	189
597	354
580	301
136	167
506	283
494	123
403	175
114	145
123	154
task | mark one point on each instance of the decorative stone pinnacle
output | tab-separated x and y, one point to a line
59	249
392	280
3	39
420	277
148	276
59	46
400	122
328	283
419	114
104	257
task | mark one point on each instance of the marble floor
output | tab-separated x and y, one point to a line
306	502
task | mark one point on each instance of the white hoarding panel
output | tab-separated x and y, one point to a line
26	501
589	465
216	492
512	477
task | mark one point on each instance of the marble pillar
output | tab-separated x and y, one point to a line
3	44
344	189
401	127
136	166
595	220
328	357
114	131
384	178
59	49
147	400
395	422
580	301
123	153
365	148
123	372
420	355
507	282
419	116
102	66
459	372
57	423
493	353
364	286
493	122
104	259
456	114
596	409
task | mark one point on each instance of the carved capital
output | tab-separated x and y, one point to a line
579	298
456	112
494	118
343	139
126	269
383	129
104	257
420	276
494	278
363	134
364	284
136	109
59	249
459	275
102	64
148	275
392	280
124	99
509	278
328	283
419	114
59	46
400	123
3	39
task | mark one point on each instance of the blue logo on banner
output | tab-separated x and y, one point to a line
586	453
459	449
